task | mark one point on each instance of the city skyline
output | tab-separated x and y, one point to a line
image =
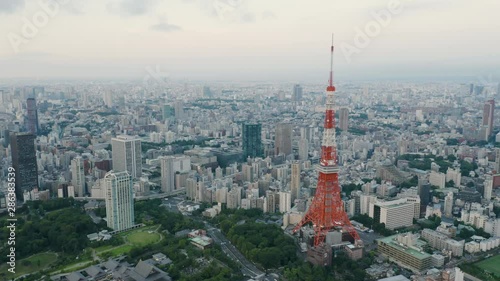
249	41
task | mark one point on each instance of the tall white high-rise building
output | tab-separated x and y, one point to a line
285	201
295	181
127	155
78	176
119	200
488	188
448	204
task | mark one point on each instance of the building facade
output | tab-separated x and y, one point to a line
252	141
78	176
127	155
283	139
24	162
119	200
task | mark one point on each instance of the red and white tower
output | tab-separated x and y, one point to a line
326	212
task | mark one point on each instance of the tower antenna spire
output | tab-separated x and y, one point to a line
331	88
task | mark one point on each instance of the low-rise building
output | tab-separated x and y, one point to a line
405	250
441	242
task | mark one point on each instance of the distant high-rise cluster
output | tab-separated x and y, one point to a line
252	140
127	155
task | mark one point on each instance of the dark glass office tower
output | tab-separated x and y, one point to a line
24	162
32	116
252	140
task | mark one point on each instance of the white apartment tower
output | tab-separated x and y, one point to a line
285	201
488	188
127	155
119	200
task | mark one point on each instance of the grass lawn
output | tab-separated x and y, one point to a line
121	250
492	265
77	266
133	238
30	264
103	248
142	238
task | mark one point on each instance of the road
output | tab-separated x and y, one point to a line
247	268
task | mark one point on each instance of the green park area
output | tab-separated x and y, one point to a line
31	264
142	236
492	265
134	238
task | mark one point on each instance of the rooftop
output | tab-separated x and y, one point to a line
410	250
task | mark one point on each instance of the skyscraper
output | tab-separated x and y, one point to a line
252	141
283	139
119	200
167	174
32	116
78	176
127	156
295	182
448	205
24	162
297	93
344	119
497	160
172	167
488	188
303	149
488	117
424	191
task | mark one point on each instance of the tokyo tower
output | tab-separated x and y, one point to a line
326	212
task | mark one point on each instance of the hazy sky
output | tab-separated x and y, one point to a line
285	40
